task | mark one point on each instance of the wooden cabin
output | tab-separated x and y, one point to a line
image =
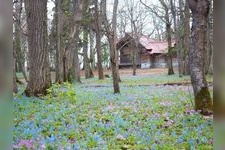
150	53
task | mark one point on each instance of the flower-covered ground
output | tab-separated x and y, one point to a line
90	116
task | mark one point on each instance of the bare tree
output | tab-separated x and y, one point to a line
177	35
59	49
87	68
98	40
86	20
92	50
166	19
111	35
169	37
122	23
15	90
186	45
135	16
39	77
76	19
67	21
157	23
19	54
200	12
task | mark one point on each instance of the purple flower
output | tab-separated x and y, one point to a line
25	143
211	141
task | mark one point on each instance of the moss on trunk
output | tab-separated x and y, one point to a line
203	101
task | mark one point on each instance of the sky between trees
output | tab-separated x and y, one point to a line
148	27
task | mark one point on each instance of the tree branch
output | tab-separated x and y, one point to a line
153	11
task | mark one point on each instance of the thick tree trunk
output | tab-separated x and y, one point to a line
98	41
39	77
68	59
111	35
87	68
59	49
200	9
71	59
77	64
86	22
67	33
77	14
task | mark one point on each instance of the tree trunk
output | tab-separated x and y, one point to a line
211	65
39	77
92	54
98	41
170	58
208	46
203	101
114	64
211	38
169	38
68	59
177	40
59	49
15	90
186	40
111	35
77	63
77	14
74	59
87	68
19	54
134	59
135	45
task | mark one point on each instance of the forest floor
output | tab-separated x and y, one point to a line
150	113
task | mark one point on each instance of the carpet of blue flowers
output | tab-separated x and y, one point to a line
89	116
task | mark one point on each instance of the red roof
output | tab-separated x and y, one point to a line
151	45
154	45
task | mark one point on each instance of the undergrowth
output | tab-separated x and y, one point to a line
82	117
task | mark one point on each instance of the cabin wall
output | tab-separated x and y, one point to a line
156	61
143	61
126	58
125	55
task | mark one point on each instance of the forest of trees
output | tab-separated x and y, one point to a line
113	74
82	34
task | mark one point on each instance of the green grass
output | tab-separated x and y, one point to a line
141	117
144	80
